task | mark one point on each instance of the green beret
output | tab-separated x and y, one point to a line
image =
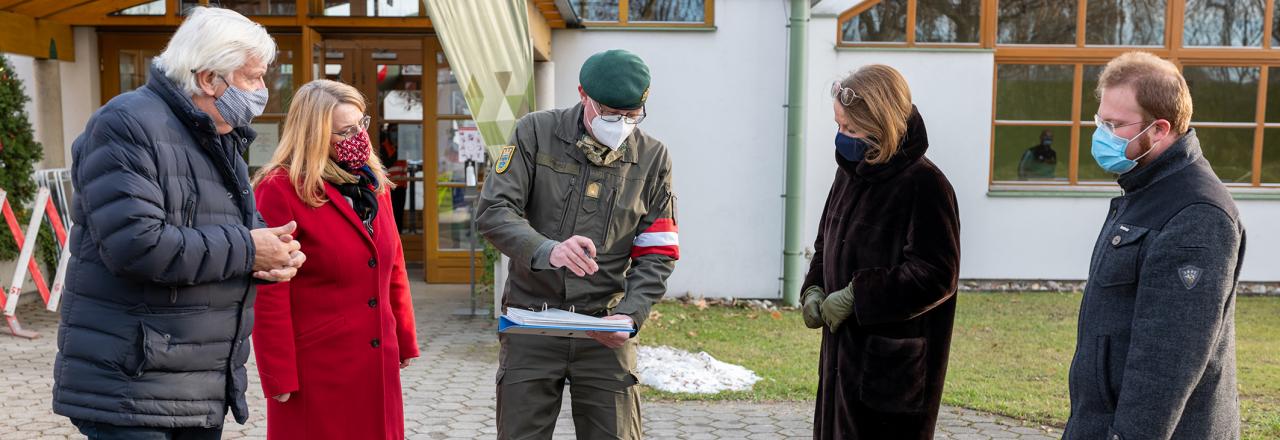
616	78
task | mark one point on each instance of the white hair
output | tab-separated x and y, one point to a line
213	39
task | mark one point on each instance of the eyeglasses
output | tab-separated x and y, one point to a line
844	94
355	129
618	117
1112	126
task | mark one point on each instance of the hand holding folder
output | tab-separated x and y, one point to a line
556	322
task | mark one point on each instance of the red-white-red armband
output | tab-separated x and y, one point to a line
662	238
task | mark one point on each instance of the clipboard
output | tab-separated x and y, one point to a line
555	322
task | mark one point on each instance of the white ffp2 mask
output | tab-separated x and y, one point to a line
611	134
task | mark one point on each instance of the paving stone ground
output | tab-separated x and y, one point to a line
449	393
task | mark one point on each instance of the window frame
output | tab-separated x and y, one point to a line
316	10
624	11
182	11
983	39
1265	57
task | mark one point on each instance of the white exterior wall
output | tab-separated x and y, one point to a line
25	67
1262	253
81	87
716	102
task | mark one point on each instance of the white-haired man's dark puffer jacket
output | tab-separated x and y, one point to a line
159	299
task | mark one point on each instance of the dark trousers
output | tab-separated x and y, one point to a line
532	371
102	431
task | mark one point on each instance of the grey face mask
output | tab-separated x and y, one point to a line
238	107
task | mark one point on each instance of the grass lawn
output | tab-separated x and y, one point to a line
1009	355
778	348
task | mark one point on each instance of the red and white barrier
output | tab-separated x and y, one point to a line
26	263
60	275
27	246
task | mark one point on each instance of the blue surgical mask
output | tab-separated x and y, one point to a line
1108	149
851	148
238	107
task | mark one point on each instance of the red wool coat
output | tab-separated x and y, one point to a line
335	335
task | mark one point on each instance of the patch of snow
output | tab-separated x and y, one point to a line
678	371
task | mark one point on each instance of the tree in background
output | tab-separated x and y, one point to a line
19	154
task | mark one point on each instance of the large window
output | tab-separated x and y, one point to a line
281	83
373	8
249	7
644	13
1049	54
155	8
912	23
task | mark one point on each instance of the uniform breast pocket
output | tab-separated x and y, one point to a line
626	210
597	207
1118	264
549	204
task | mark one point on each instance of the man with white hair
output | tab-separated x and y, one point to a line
167	243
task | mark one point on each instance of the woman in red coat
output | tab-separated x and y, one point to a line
331	342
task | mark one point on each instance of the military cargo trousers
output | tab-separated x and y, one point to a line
533	371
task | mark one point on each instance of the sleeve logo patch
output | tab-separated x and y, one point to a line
1190	275
504	159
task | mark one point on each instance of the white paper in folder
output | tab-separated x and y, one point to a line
556	322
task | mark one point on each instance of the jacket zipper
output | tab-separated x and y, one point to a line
189	213
671	199
582	192
568	200
608	217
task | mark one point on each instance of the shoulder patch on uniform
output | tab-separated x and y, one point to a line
1190	275
504	159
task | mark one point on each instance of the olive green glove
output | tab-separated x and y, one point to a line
837	307
811	301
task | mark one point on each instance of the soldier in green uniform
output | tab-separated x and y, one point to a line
582	203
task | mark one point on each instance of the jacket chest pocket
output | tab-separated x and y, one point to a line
1118	263
597	206
555	189
627	208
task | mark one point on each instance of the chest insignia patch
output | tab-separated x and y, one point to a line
1190	275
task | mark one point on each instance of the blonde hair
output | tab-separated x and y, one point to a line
881	109
1159	87
304	148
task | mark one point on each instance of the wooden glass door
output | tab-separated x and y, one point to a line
450	236
416	110
389	74
126	59
419	115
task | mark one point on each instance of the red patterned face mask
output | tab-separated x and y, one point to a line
353	152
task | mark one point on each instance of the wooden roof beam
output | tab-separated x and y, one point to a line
37	38
91	12
539	33
42	9
6	4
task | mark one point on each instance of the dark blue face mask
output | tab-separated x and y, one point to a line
851	148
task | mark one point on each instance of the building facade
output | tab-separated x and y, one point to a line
1005	88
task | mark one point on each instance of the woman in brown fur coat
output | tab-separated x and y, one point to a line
883	277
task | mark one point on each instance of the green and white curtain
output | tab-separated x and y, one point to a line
488	46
